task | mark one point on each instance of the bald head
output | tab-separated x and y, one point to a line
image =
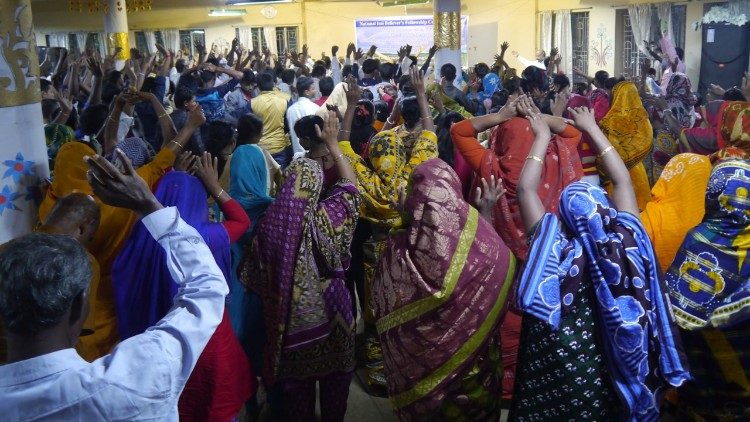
76	214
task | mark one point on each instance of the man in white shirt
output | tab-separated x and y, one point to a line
303	107
539	62
44	287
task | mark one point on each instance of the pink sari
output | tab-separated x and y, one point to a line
439	295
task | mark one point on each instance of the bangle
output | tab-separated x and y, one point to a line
535	158
221	192
606	150
162	115
338	157
388	120
177	143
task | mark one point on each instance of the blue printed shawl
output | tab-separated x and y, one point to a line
611	249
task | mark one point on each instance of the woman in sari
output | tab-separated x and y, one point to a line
677	204
296	263
703	139
597	325
56	136
733	131
710	292
393	154
444	261
222	379
628	128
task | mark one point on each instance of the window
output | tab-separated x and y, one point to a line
580	27
140	42
626	52
286	39
189	37
93	41
679	14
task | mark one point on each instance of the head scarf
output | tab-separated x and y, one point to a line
143	287
596	242
56	136
733	131
703	140
627	125
300	241
680	99
677	204
510	144
708	279
449	103
70	175
137	150
248	181
447	260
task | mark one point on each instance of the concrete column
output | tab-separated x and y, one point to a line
23	151
116	28
447	27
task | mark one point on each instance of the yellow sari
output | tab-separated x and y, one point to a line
116	224
677	204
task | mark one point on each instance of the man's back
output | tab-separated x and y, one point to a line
271	106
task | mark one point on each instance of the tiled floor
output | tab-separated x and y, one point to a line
365	408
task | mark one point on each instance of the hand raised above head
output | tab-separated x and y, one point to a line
124	189
487	196
583	117
539	125
185	161
330	132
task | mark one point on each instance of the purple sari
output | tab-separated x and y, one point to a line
439	295
296	263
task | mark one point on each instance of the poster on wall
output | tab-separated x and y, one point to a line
390	33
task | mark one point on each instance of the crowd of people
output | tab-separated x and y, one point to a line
235	235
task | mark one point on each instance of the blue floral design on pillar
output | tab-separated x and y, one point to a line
18	168
7	196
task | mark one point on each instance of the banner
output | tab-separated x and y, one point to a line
389	34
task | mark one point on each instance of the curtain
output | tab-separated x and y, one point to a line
564	41
739	7
102	44
269	32
664	10
546	31
640	21
81	39
171	39
246	37
59	40
150	41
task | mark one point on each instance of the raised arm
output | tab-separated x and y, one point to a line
195	120
532	209
113	124
623	195
329	134
430	55
95	97
417	81
353	94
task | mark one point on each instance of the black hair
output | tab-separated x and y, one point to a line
249	129
445	142
93	118
305	130
362	130
214	61
381	110
220	135
303	84
49	109
651	71
346	70
180	65
387	71
512	85
44	85
367	95
326	86
266	81
148	84
733	94
318	71
601	77
248	77
410	111
561	81
181	96
448	71
499	99
481	70
370	65
680	53
404	85
580	88
611	82
287	76
190	82
207	76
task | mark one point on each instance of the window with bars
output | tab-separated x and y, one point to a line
188	38
580	27
286	39
140	42
626	52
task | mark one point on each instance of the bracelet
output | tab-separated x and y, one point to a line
535	158
606	150
162	115
345	131
221	192
388	120
178	144
338	157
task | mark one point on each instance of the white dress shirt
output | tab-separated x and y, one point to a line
143	377
526	63
303	107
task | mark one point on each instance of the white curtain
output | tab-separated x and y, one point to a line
640	21
664	11
102	44
564	41
246	37
269	32
171	38
150	41
81	39
546	31
59	40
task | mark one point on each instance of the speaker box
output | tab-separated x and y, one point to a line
726	49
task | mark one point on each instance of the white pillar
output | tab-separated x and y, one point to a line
116	28
23	151
447	28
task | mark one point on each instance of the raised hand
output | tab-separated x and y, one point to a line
350	49
504	46
538	125
207	169
330	132
304	50
487	196
95	67
358	54
417	80
371	51
436	100
408	49
334	50
583	118
554	52
185	161
162	50
353	91
559	103
196	118
124	189
433	50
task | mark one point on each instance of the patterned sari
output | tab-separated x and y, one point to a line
709	284
296	263
703	140
609	251
733	131
677	204
447	268
629	129
680	101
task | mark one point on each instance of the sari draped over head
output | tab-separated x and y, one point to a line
393	154
708	279
599	103
681	100
677	204
627	125
449	103
249	181
70	175
703	140
56	136
585	148
447	268
296	263
733	131
611	249
510	144
137	150
222	379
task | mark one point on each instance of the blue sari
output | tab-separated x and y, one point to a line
611	249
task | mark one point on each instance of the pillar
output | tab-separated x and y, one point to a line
447	28
23	151
116	28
